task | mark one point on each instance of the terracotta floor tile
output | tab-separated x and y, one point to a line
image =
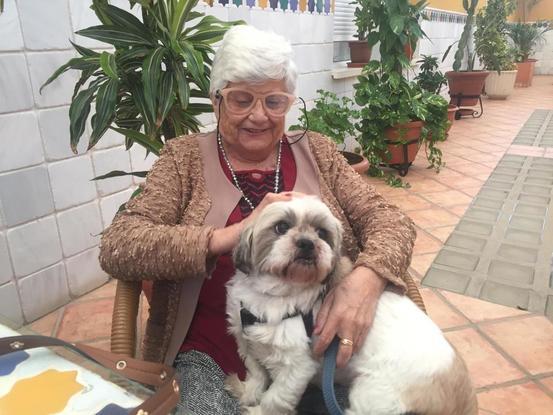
432	218
525	399
425	244
410	202
88	320
421	263
529	341
441	313
548	383
459	210
471	191
447	198
459	182
485	364
442	233
101	344
478	310
427	186
105	291
47	324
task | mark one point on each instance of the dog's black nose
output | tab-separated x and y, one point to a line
305	245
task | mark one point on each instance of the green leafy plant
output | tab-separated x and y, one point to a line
363	19
526	36
387	100
463	44
429	77
331	116
491	36
151	87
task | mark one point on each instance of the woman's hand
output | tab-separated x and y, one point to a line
348	311
224	240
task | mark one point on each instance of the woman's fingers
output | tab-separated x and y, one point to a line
323	313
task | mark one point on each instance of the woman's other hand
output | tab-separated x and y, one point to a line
348	311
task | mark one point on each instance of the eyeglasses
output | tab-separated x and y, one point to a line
240	101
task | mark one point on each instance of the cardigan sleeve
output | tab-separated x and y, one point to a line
385	235
146	241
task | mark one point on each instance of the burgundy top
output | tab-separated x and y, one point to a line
208	330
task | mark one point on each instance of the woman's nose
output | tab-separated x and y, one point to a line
258	111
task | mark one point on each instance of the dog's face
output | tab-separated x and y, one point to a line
298	241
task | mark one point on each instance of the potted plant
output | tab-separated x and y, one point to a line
360	50
397	117
493	49
526	36
432	80
143	88
465	86
334	118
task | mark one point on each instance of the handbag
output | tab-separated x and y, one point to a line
162	377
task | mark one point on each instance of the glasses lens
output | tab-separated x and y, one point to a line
239	101
277	103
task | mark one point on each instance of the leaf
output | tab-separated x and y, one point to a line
182	84
82	63
105	110
120	173
84	51
84	77
180	16
166	97
115	36
122	18
194	63
142	139
397	23
107	62
151	73
78	113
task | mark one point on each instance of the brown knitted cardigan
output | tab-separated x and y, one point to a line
163	233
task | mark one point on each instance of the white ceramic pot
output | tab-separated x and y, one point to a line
500	86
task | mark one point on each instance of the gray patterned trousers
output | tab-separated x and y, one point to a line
203	393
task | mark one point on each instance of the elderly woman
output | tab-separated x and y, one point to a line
204	188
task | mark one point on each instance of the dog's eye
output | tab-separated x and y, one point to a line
323	234
282	227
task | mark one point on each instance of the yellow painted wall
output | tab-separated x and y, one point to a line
453	5
541	11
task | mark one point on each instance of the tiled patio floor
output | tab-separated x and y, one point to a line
509	352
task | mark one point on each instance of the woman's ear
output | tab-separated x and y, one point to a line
242	255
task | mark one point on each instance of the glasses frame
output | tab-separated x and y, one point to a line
222	94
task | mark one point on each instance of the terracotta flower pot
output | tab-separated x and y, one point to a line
451	110
403	142
466	84
359	163
500	86
360	53
525	73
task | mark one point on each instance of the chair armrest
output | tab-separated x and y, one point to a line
123	322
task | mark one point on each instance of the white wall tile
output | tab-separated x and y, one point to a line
20	141
80	228
45	24
108	160
139	161
311	82
109	139
25	195
41	66
54	126
10	30
71	181
84	272
10	307
15	87
6	271
34	246
82	16
109	205
43	292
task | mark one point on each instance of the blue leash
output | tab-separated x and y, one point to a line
329	367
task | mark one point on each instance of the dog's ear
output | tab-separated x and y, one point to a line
243	252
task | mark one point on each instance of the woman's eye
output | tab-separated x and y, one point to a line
323	233
282	227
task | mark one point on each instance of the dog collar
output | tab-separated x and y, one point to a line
247	318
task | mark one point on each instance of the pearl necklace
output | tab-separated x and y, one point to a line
233	174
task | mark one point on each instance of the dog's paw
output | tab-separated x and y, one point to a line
235	386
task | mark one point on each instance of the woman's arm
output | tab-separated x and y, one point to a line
146	240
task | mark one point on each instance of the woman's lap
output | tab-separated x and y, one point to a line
203	393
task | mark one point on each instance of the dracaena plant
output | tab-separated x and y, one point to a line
150	87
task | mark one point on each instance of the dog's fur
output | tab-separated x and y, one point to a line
405	364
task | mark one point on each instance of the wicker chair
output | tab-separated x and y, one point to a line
125	312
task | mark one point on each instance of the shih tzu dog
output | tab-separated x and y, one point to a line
286	260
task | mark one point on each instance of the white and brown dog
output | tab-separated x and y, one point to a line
285	261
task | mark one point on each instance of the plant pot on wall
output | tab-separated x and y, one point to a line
500	85
525	73
403	145
465	84
360	53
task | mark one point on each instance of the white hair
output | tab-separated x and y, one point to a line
248	54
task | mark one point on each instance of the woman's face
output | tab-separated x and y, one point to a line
252	135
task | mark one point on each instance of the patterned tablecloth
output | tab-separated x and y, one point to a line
40	382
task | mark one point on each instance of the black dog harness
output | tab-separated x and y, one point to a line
247	318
